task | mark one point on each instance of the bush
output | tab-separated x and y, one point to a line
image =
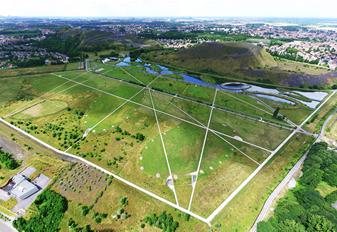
7	160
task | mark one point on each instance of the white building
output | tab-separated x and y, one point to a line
22	187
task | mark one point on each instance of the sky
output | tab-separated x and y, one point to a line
174	8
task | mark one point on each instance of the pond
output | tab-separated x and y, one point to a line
259	89
196	81
274	98
316	96
122	64
164	70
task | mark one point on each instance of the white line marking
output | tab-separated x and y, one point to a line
132	76
200	103
108	115
164	148
202	150
247	103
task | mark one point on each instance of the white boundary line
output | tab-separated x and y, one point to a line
242	141
251	176
164	148
211	217
121	105
151	194
238	150
202	150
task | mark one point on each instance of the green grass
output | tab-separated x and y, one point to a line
183	143
222	170
325	189
182	88
296	113
242	104
255	132
45	108
122	154
191	111
223	167
37	70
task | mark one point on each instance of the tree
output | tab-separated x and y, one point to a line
318	223
265	227
276	112
290	226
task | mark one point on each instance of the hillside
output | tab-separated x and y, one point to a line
218	58
224	57
242	61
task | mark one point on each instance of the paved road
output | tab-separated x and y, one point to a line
268	204
321	135
6	227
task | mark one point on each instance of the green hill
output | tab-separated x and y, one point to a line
218	58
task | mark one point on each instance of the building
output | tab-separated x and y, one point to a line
22	187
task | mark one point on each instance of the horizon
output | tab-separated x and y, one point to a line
171	9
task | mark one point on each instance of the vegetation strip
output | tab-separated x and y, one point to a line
285	126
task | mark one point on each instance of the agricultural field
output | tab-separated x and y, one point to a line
189	143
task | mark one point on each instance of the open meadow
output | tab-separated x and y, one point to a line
188	143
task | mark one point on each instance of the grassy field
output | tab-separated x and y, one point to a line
325	189
123	137
222	170
247	130
331	131
39	69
